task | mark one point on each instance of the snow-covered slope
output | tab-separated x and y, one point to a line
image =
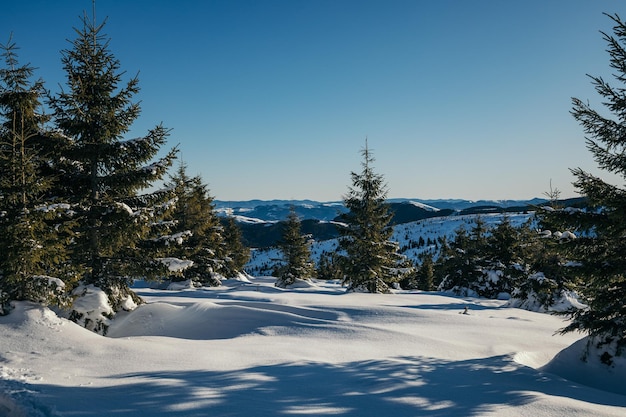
250	349
408	236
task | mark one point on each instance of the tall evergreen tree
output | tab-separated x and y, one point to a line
296	254
31	246
371	260
196	230
105	173
601	245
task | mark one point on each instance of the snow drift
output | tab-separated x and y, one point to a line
249	348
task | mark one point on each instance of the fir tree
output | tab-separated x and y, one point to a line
236	253
601	242
196	230
426	273
31	246
456	266
296	254
370	260
328	266
485	261
104	172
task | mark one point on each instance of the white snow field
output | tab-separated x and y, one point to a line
250	349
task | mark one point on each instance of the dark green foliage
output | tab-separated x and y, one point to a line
328	267
236	253
103	173
426	273
31	239
601	245
370	261
487	262
195	233
297	262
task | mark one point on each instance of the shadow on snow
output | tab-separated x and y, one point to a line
405	386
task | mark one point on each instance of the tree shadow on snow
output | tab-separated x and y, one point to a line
460	306
406	386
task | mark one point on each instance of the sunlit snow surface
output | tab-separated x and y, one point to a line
251	349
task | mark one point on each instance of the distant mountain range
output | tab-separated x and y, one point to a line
277	210
262	224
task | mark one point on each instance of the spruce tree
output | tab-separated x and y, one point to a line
601	243
328	267
457	264
196	231
105	172
31	243
488	262
370	260
296	254
236	253
426	273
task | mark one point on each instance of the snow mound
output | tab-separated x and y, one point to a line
581	363
565	301
207	320
249	349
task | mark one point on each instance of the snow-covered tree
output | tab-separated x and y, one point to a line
294	246
31	246
489	262
196	230
105	172
370	261
601	244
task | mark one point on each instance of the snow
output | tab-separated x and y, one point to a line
423	206
247	348
93	305
175	264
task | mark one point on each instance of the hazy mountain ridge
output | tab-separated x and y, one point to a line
276	210
261	221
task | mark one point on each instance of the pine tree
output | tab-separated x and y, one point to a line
31	246
296	254
488	262
371	260
601	243
328	266
236	253
426	273
457	264
104	172
196	231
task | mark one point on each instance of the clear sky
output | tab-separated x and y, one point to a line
274	98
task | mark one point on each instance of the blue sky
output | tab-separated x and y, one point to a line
274	98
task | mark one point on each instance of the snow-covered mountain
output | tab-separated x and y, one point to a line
276	210
261	227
